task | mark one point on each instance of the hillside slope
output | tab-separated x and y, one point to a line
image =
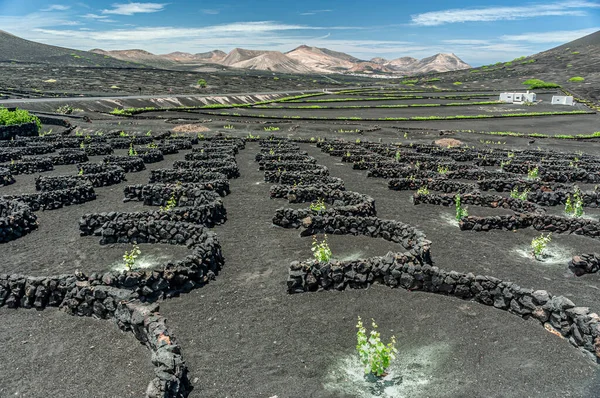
14	49
579	58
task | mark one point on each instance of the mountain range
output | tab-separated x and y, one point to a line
303	59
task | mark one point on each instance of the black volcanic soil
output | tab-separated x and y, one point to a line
52	354
242	335
244	330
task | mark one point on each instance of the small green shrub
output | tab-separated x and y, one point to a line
443	169
423	191
457	83
318	205
374	355
515	194
202	83
271	128
18	116
538	245
171	203
460	211
532	174
132	151
576	79
574	204
130	257
321	251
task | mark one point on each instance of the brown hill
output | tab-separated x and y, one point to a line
440	63
137	56
321	60
273	61
240	55
214	57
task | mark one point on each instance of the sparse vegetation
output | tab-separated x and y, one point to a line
18	116
423	191
201	83
539	244
271	128
533	174
460	211
130	257
537	84
170	205
321	251
577	79
318	205
515	194
574	204
374	355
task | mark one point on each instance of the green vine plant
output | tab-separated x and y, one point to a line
443	169
398	156
515	194
532	174
171	203
373	353
538	245
460	211
423	191
132	151
321	251
319	205
80	172
574	204
130	257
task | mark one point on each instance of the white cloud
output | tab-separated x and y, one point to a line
465	41
94	16
557	36
313	12
135	8
22	25
56	7
210	11
488	14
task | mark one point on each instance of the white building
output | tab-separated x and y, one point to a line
562	100
517	98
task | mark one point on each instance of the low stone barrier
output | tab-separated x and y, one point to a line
51	200
228	168
338	203
198	156
16	220
435	184
585	264
68	156
556	313
10	154
130	164
18	130
151	155
31	166
98	150
6	177
296	178
476	199
540	222
218	181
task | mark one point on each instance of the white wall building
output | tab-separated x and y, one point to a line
517	98
562	100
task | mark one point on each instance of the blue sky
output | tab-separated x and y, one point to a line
479	32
